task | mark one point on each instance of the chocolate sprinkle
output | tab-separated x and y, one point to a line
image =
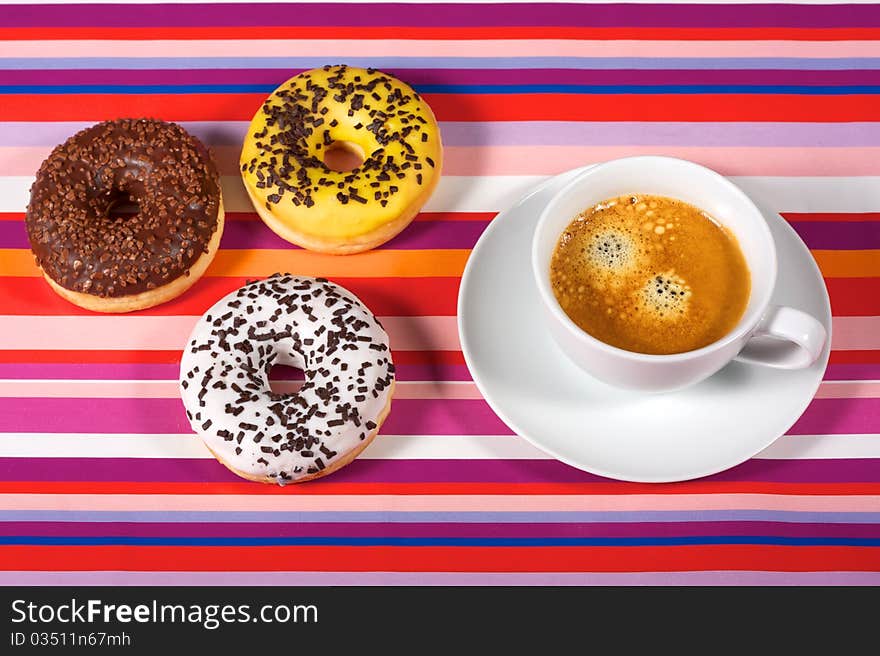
314	324
290	168
167	172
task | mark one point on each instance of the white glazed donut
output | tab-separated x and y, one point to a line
308	323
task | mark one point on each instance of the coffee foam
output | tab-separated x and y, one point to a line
664	296
612	250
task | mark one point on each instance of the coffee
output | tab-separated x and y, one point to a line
650	274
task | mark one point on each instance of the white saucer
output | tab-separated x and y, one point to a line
533	387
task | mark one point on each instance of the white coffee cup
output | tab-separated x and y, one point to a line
774	336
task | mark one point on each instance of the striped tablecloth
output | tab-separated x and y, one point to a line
101	479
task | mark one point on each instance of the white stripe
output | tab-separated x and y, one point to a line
387	447
798	447
390	447
493	193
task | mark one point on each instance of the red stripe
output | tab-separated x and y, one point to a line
464	107
90	357
854	297
455	216
855	357
443	33
384	296
388	297
831	216
329	487
173	357
400	357
440	559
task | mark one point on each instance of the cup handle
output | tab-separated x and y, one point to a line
785	339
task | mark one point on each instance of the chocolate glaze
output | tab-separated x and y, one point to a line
167	172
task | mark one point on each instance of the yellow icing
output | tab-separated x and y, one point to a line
293	103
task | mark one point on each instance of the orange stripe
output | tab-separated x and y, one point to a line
421	216
265	262
440	559
399	263
253	216
464	107
329	487
443	33
848	264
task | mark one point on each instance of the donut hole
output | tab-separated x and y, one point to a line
285	379
344	156
122	208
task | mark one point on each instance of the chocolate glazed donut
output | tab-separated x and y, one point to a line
119	264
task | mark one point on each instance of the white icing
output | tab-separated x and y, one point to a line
264	434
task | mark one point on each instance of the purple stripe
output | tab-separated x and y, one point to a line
256	235
452	15
541	133
274	579
177	470
434	76
843	235
408	416
419	235
852	372
839	235
437	530
839	416
134	371
47	415
831	235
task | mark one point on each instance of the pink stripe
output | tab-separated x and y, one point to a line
337	48
855	333
850	390
407	333
550	160
160	333
440	503
134	389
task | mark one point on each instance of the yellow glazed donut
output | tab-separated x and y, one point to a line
379	120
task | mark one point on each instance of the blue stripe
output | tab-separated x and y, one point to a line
597	63
675	89
439	542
